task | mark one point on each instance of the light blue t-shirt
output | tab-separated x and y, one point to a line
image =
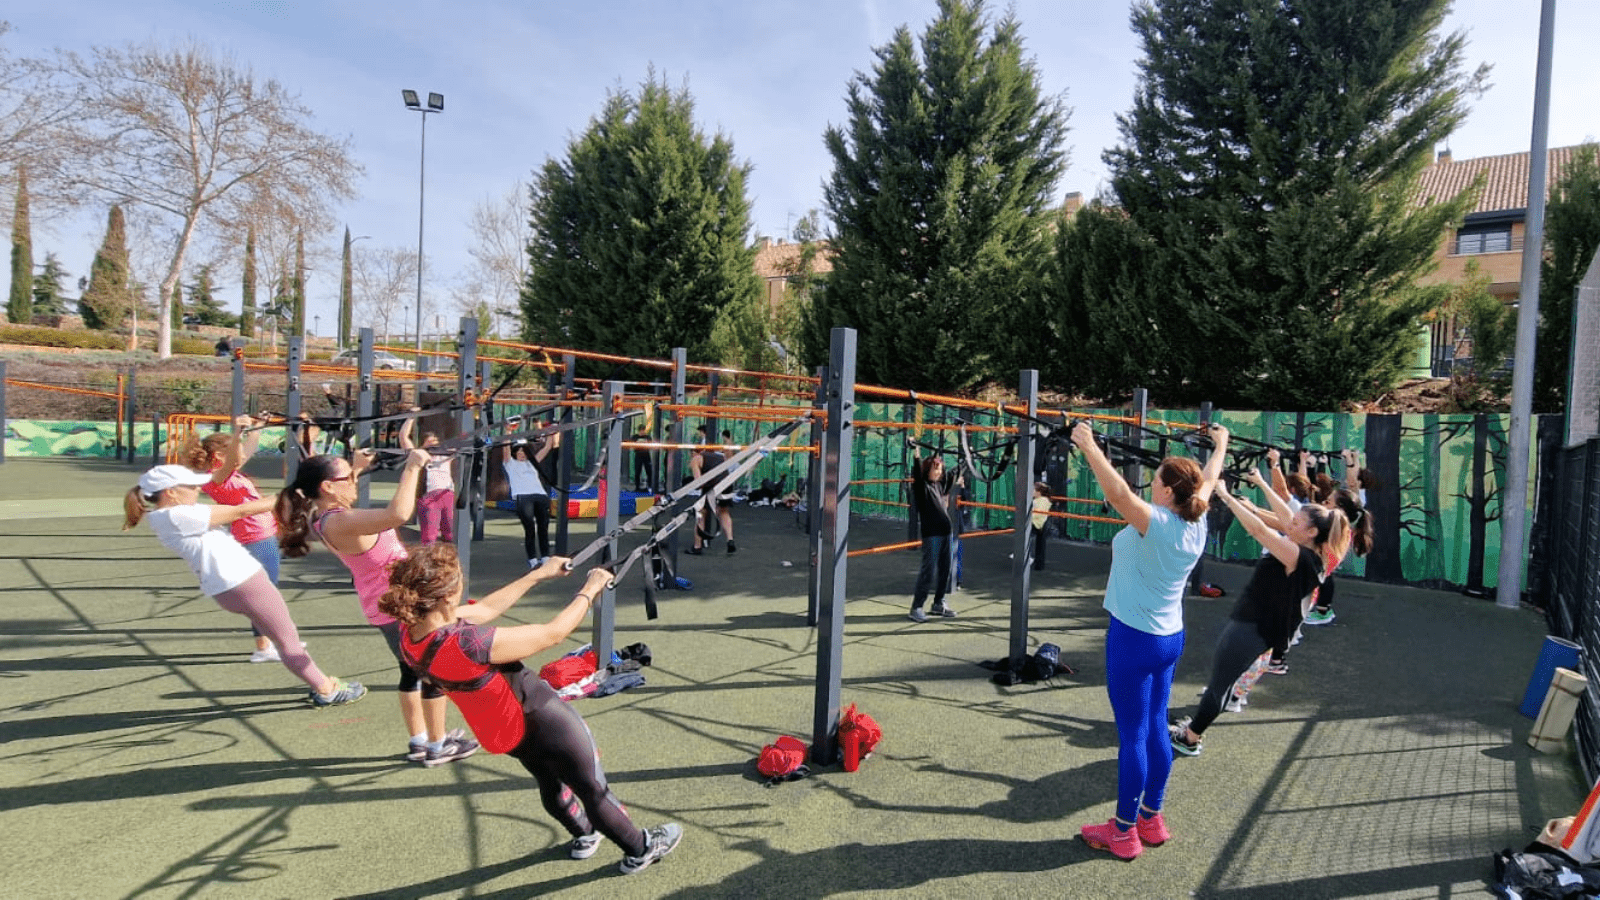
1149	572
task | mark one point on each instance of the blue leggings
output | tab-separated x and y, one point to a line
1139	669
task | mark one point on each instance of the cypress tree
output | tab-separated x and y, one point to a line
1271	156
106	301
1571	235
247	287
941	190
640	234
19	305
347	294
297	291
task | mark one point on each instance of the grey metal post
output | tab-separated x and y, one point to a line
1021	538
238	386
841	395
1514	505
479	501
564	457
672	461
129	416
1140	410
1197	575
291	411
819	439
3	415
605	612
467	346
155	439
364	406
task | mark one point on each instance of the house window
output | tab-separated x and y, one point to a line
1483	239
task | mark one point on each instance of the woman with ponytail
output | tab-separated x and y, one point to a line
223	454
510	708
1350	503
322	501
1268	612
168	497
1150	564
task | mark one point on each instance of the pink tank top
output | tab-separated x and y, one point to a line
236	490
370	570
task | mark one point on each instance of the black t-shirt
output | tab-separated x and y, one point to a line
1272	598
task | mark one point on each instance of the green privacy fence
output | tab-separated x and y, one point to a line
1435	503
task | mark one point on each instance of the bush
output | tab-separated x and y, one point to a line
55	337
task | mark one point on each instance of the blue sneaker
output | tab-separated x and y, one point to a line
659	841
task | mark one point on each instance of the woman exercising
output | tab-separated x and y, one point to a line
227	573
511	709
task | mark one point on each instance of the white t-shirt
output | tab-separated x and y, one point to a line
523	478
220	561
437	476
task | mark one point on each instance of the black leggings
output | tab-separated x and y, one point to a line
534	511
1325	593
1237	647
559	752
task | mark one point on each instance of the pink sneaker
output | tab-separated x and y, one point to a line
1152	831
1122	844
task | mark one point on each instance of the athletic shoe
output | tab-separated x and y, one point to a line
1211	590
1152	831
658	842
695	551
585	846
732	548
1295	641
343	692
456	745
917	615
1181	743
940	610
416	751
1280	667
1235	703
1319	617
1122	844
268	655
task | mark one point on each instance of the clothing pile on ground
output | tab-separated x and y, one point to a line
578	674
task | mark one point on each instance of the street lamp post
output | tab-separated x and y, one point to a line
435	104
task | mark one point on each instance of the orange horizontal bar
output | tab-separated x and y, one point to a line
65	390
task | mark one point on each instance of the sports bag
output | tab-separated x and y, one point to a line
782	760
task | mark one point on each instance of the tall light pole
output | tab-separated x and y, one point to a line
435	104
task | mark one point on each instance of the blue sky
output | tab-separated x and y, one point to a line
520	79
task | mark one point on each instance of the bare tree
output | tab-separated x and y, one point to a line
37	102
192	136
500	232
383	280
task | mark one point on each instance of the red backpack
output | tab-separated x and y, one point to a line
782	760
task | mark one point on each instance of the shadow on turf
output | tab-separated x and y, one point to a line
159	781
92	723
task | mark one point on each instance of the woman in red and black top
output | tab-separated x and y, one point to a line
510	709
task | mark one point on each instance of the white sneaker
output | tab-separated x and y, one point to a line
265	656
1236	703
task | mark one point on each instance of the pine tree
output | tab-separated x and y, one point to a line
640	233
1571	235
1270	157
347	295
19	305
247	287
203	304
106	302
48	286
297	291
941	187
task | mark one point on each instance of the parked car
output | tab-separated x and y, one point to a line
381	359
